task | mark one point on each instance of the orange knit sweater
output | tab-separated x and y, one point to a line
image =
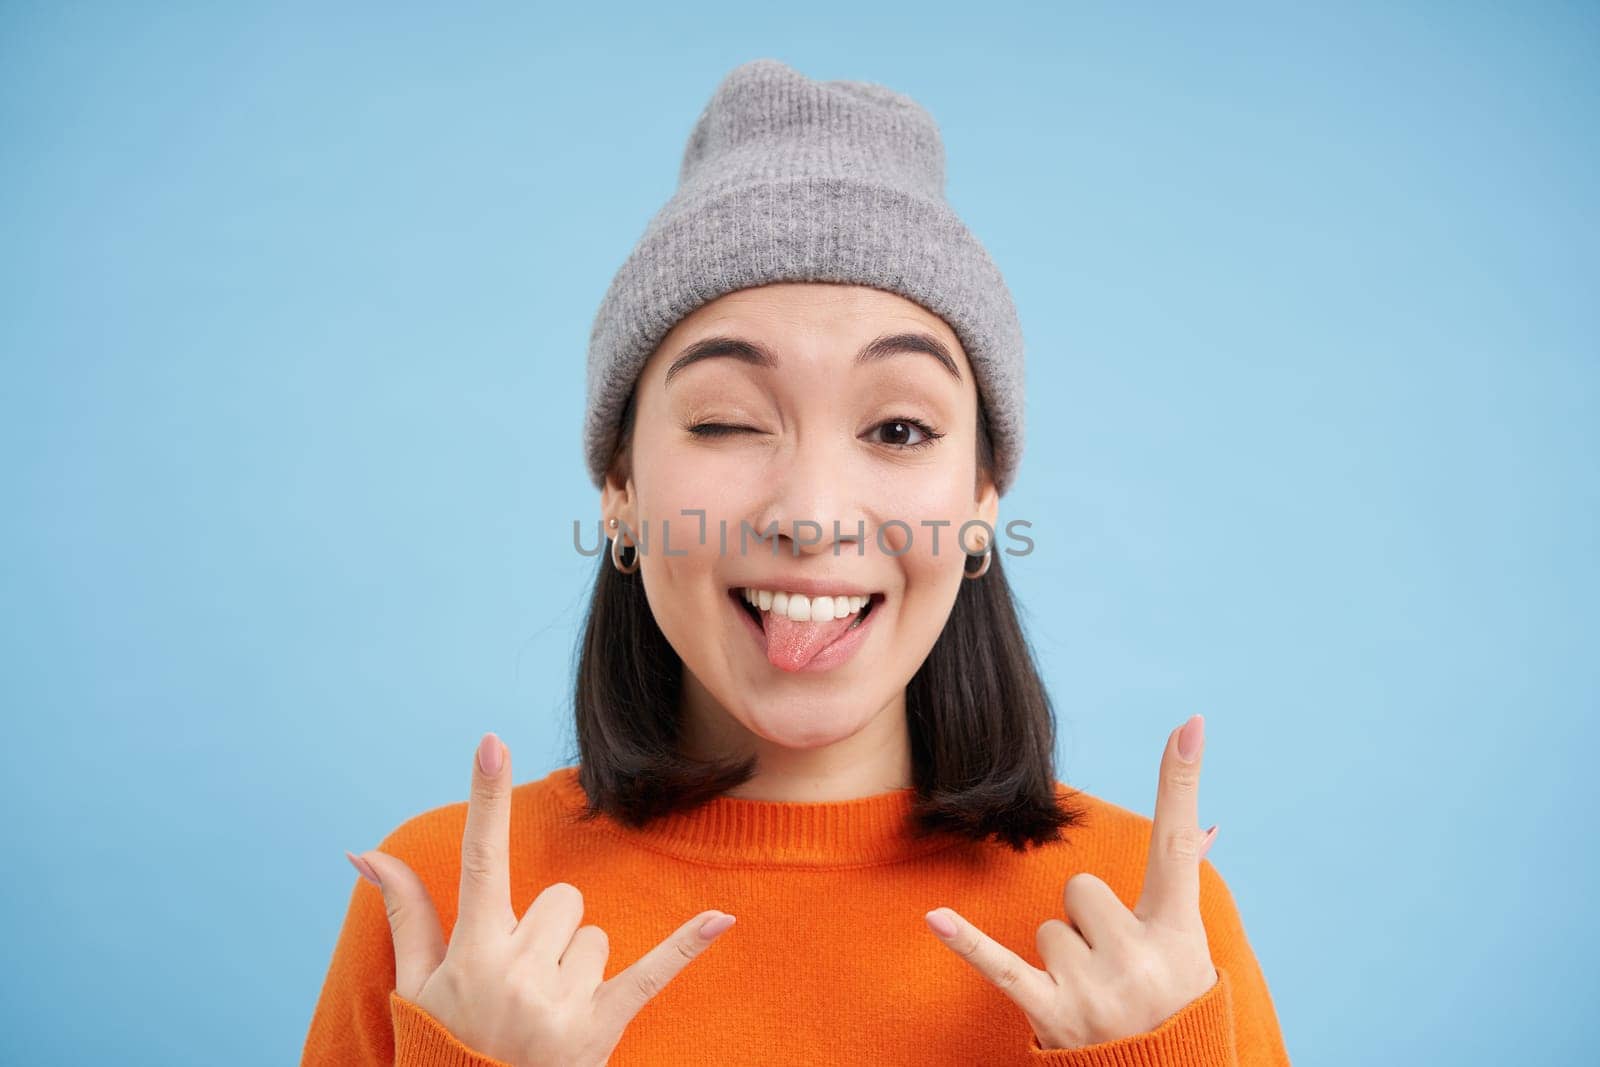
830	962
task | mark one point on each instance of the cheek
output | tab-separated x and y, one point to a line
932	576
681	587
931	568
935	514
683	577
675	480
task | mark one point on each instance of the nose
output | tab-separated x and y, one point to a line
813	503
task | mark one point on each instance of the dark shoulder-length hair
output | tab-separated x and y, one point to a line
981	724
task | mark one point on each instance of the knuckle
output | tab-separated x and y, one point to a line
487	795
529	991
560	893
477	860
1181	845
565	891
1135	977
1182	776
1051	930
1122	939
1007	976
534	1000
647	984
1148	970
1083	887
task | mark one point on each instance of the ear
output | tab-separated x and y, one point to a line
616	498
988	505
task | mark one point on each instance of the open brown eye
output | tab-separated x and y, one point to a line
898	430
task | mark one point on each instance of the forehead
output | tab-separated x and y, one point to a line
805	317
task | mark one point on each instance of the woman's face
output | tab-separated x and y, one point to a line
790	425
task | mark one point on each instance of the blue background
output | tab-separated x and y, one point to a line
293	319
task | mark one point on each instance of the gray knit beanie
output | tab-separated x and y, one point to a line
786	179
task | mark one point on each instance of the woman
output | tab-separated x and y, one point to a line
804	700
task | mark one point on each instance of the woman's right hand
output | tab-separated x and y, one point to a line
530	992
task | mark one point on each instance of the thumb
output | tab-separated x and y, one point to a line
622	996
419	944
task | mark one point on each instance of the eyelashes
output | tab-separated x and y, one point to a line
930	436
716	429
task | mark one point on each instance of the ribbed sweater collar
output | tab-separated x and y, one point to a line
736	831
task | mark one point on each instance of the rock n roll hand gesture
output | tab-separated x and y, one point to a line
527	992
1109	972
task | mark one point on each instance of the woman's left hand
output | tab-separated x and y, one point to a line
1110	972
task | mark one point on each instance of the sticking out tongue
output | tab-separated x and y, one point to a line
791	645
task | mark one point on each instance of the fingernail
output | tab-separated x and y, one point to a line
1211	835
1191	737
363	868
715	925
941	923
489	754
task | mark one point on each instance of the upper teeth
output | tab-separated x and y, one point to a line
802	608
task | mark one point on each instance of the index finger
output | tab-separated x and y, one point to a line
1172	872
626	993
1029	988
485	904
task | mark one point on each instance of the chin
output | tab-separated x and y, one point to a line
804	725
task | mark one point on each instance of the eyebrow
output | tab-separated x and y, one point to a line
758	355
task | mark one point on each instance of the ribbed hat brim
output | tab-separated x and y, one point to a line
816	229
